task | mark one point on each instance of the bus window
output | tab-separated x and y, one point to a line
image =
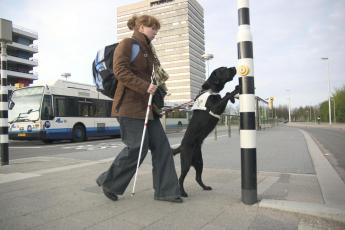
84	110
65	106
108	108
47	109
103	108
59	106
92	110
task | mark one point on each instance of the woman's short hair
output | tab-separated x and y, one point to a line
146	20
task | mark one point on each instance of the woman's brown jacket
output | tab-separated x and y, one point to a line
131	97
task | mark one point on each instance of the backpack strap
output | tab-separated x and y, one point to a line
135	50
134	53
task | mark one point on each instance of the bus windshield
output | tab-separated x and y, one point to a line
26	104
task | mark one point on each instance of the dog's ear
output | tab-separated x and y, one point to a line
206	86
232	72
211	81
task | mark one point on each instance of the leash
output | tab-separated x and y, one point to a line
176	107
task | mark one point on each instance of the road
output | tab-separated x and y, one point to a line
332	144
88	150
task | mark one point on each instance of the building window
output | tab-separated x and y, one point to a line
156	3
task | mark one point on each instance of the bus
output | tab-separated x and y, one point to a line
63	110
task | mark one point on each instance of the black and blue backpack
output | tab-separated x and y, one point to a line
102	68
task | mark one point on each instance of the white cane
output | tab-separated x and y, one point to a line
142	142
143	136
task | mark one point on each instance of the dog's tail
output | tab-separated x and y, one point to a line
176	150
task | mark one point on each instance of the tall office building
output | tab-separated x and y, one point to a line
20	60
179	44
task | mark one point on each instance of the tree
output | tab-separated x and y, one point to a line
282	112
339	98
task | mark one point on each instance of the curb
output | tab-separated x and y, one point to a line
332	186
312	209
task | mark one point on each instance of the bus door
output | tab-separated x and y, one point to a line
66	115
87	110
103	119
47	108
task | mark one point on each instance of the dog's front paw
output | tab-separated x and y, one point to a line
231	97
207	188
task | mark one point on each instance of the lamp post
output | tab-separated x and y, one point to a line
288	90
66	75
334	118
329	91
207	58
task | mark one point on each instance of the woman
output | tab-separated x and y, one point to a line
129	106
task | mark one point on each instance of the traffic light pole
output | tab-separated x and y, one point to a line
247	105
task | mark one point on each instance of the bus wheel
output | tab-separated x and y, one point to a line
78	133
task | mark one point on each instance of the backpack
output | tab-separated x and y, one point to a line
102	68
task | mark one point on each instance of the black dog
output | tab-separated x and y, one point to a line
207	108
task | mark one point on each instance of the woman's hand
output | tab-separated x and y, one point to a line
152	89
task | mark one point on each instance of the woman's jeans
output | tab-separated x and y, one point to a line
121	171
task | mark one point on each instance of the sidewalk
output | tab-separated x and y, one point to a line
296	190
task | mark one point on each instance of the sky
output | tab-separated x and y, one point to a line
289	39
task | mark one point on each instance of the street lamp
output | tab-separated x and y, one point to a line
207	58
288	90
329	91
334	118
66	75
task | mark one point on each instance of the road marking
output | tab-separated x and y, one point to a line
70	145
25	147
11	177
5	178
93	147
65	168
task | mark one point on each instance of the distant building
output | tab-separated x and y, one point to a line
180	42
20	60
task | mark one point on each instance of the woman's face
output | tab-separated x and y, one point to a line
150	32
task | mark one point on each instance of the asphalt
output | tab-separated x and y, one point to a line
297	189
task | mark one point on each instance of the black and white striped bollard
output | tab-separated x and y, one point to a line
3	107
247	105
